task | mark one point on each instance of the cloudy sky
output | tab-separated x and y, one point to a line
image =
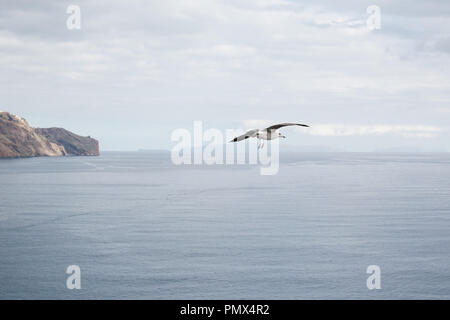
137	70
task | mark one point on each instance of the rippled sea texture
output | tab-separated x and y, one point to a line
140	227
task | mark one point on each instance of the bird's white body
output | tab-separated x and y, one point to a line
268	135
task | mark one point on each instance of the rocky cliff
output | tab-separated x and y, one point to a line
72	143
18	139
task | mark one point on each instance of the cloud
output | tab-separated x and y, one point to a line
256	124
175	61
409	131
340	130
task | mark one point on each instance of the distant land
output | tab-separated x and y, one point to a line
18	139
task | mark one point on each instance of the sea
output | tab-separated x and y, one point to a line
140	227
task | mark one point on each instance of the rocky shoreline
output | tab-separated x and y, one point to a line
18	139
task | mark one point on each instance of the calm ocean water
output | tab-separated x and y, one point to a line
140	227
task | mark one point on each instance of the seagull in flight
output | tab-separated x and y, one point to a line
269	133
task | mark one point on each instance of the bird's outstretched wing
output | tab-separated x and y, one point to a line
278	126
248	134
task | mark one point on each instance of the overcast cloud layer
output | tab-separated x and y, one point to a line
139	69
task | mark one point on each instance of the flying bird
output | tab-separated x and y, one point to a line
268	133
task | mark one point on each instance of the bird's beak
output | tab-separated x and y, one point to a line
283	137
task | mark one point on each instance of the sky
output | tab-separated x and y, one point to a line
137	70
